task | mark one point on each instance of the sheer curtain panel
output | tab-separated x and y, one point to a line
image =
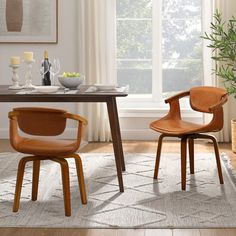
97	57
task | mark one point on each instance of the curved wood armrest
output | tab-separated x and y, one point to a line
177	96
76	117
12	114
223	100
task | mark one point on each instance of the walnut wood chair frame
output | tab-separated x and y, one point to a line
36	159
187	131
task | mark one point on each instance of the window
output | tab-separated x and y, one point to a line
159	49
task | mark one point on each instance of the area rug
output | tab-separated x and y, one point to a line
146	203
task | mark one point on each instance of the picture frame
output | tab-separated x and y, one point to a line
27	21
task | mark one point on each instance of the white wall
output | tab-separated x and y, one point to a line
65	50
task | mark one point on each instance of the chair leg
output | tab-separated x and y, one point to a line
65	184
183	162
191	154
19	181
35	179
80	174
216	147
158	156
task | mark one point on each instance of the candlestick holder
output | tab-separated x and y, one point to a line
15	78
28	74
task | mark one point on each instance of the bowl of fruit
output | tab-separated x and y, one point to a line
71	80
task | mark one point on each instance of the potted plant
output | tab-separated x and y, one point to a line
223	44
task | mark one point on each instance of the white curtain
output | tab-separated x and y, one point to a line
97	55
228	9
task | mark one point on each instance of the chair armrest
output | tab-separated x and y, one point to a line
223	100
174	112
76	117
12	114
177	96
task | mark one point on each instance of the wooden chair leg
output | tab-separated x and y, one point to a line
191	154
216	147
35	179
183	162
80	174
65	184
158	156
19	181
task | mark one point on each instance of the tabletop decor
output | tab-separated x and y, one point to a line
28	21
47	89
29	61
71	80
15	64
55	69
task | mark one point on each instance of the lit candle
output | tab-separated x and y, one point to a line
28	56
15	60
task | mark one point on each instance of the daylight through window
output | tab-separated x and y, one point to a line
159	49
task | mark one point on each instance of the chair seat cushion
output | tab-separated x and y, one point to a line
175	127
46	147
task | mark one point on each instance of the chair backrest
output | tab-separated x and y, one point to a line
41	121
202	98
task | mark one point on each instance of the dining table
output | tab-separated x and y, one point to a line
80	95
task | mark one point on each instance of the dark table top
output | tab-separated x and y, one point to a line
7	95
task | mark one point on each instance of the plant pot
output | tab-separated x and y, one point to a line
233	130
14	15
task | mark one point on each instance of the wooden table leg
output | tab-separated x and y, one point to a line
116	139
119	141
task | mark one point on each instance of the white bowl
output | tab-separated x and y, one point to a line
71	82
47	89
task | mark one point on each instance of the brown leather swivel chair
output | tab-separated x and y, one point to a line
202	99
45	122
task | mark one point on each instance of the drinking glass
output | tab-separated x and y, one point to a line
55	69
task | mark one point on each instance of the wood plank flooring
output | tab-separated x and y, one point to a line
136	147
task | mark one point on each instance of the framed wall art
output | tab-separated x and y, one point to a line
27	21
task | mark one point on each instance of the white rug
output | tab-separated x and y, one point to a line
144	204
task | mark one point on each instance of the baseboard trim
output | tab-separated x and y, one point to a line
141	134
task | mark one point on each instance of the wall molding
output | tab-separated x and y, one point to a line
139	134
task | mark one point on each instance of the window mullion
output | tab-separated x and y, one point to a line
157	50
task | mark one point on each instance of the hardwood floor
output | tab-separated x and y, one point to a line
136	147
168	147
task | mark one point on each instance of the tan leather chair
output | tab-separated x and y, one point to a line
45	122
202	99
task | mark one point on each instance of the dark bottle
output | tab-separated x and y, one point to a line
46	68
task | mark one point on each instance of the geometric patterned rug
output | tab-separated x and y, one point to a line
146	203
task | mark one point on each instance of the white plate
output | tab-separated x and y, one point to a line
47	89
105	87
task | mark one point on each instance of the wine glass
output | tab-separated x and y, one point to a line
55	69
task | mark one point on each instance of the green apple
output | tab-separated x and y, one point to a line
71	74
